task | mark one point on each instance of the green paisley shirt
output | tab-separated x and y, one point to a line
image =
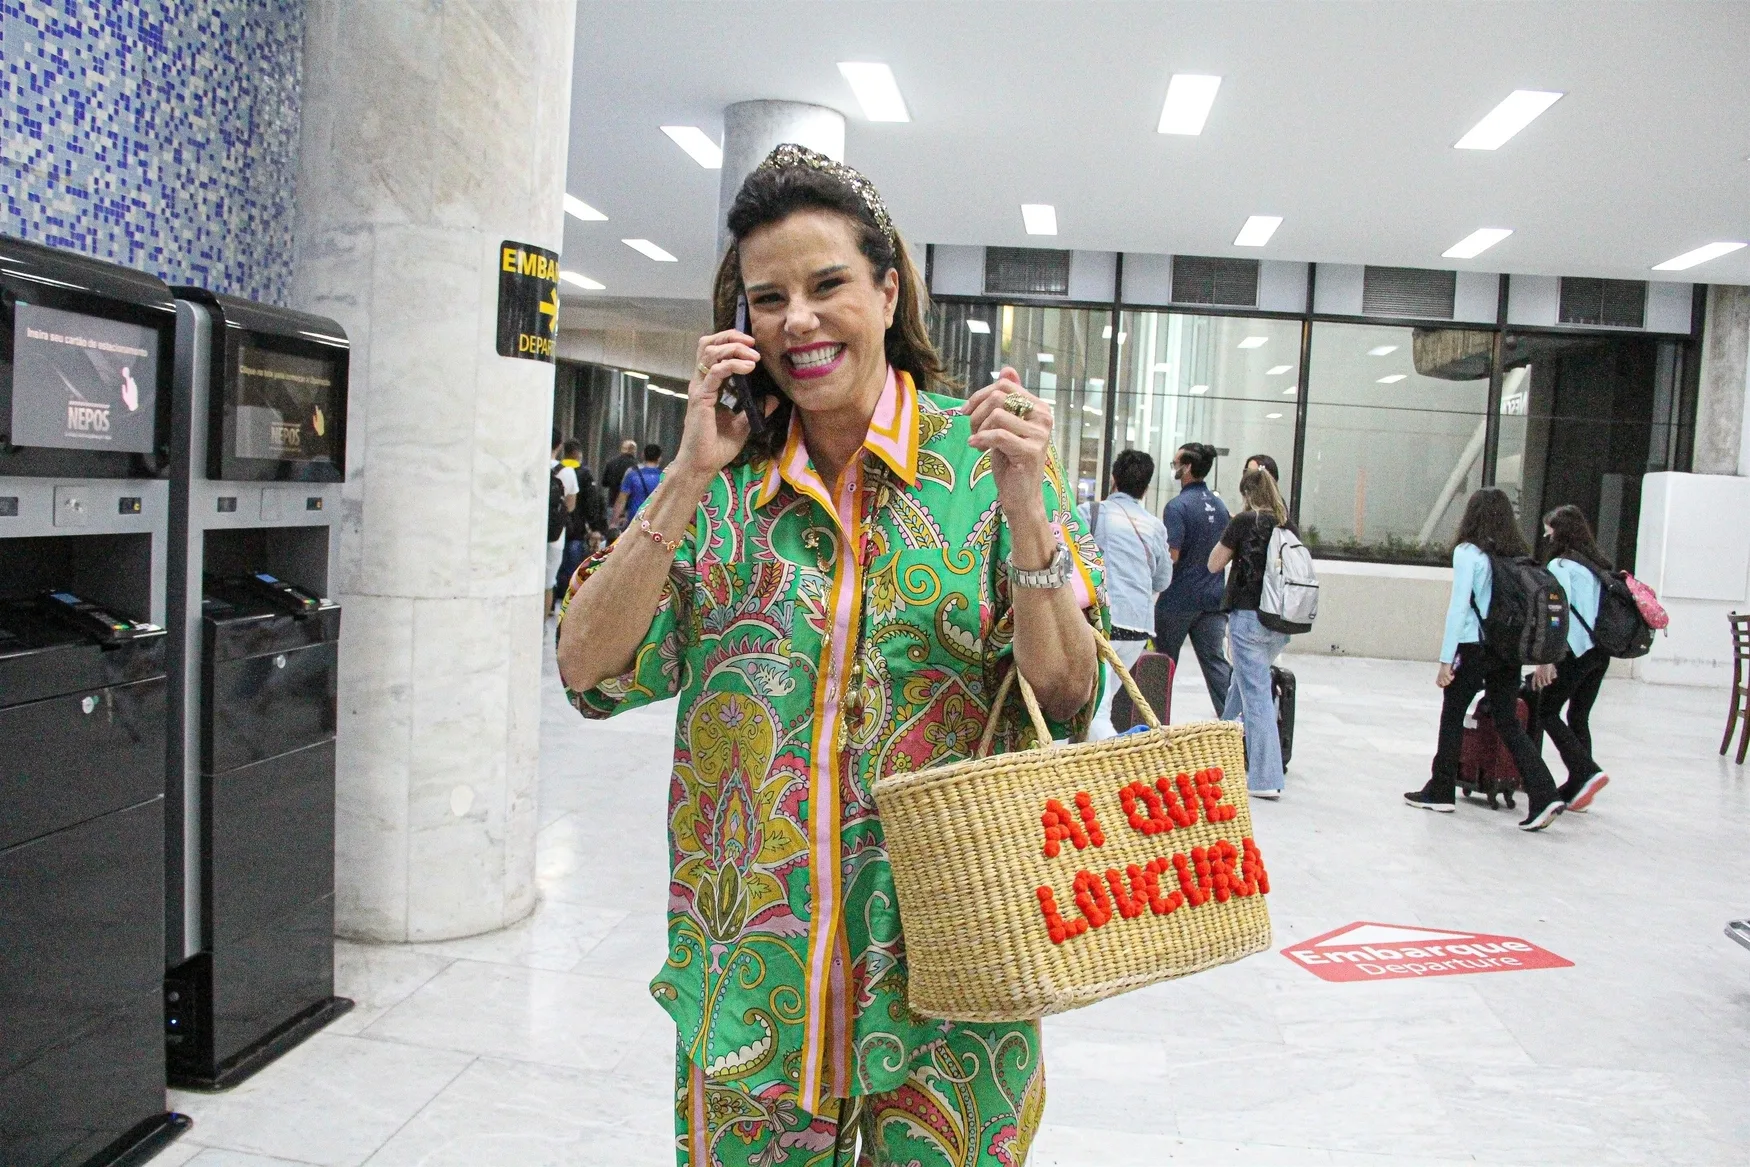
818	641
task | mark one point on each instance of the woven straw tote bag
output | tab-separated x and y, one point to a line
1050	878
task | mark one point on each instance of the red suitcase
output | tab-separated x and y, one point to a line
1485	766
1153	673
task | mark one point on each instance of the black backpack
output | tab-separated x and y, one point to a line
1527	622
591	513
556	512
1621	630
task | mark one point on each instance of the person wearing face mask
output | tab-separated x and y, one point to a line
1192	603
832	599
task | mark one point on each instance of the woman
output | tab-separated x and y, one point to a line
1573	557
1489	528
833	601
1265	462
1252	648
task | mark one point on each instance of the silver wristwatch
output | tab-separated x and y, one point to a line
1053	575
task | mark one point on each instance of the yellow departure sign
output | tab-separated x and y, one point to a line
528	301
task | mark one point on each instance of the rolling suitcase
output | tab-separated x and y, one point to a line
1282	691
1484	765
1153	674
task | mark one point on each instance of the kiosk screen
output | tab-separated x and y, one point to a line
82	382
285	407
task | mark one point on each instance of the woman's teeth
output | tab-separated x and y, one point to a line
815	358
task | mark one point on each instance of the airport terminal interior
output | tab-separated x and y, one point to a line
354	357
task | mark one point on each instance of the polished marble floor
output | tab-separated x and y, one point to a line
539	1046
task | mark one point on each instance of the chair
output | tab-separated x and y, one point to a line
1739	714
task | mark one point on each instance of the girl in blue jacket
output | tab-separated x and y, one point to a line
1573	557
1489	528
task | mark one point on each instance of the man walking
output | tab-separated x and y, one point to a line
615	469
637	485
1133	544
1191	605
587	520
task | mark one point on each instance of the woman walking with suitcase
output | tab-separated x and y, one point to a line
1489	528
1573	557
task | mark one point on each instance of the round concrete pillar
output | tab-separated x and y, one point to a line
751	129
431	133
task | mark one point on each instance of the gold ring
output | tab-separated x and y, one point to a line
1018	405
704	369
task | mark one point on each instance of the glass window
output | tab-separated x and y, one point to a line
1226	380
1060	354
1583	418
1396	421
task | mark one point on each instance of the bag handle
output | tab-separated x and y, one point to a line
1105	651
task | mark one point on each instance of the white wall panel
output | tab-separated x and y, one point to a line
1669	306
1476	298
1148	279
1090	275
957	271
1533	300
1338	292
1281	286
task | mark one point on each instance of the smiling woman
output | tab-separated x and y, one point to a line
833	599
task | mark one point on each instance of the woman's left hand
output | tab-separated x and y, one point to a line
1018	446
1543	676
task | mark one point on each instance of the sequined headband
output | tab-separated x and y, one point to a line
789	155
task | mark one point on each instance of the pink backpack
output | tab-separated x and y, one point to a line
1652	611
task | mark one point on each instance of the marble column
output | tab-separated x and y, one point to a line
432	130
752	128
1722	407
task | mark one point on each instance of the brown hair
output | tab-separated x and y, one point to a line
1490	525
772	194
1258	488
1571	538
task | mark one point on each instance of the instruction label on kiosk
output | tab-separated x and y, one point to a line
528	301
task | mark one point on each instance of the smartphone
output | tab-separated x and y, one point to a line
738	393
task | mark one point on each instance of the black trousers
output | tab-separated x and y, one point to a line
1576	685
1478	672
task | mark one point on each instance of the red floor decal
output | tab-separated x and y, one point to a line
1387	952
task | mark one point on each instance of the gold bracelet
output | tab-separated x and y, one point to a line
669	545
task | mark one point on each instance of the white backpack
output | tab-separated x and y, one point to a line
1290	601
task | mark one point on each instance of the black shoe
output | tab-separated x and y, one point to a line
1427	801
1542	815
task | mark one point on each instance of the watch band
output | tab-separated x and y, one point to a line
1053	575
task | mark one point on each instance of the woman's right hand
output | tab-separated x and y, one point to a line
713	435
1444	677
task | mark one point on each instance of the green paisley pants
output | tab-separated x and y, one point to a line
972	1099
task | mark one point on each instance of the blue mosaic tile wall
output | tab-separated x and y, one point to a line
159	134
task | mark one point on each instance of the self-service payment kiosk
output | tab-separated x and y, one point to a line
85	373
260	451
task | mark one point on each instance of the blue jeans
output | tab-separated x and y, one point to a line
576	551
1254	649
1206	629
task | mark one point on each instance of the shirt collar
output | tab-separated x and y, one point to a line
892	437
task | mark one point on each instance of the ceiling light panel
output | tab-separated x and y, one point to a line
1382	350
1393	379
578	209
1700	255
877	92
578	279
1278	370
1255	342
1047	359
1271	416
1199	389
699	147
978	326
1257	230
1189	98
647	248
1040	218
1518	110
1476	242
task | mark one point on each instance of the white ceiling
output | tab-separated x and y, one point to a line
1338	117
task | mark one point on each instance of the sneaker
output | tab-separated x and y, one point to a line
1266	795
1541	817
1588	791
1427	801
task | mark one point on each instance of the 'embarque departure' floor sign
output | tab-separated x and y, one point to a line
1387	952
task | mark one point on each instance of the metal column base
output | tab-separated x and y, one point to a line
144	1141
242	1066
